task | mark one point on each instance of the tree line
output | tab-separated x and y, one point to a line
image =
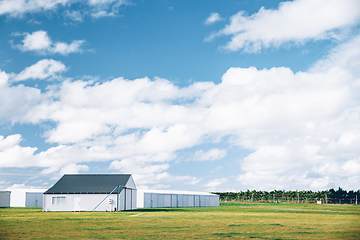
330	196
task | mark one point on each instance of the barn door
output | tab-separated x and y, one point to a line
77	206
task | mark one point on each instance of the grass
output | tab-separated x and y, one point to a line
230	220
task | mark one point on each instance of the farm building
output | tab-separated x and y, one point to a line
4	198
166	198
26	197
91	192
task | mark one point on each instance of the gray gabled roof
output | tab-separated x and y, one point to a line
88	183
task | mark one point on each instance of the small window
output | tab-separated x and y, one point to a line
61	200
58	200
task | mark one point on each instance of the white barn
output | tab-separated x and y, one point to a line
91	192
26	197
167	198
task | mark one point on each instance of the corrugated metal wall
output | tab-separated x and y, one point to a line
33	199
153	200
5	198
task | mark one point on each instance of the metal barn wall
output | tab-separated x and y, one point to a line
214	201
5	198
33	199
127	199
160	200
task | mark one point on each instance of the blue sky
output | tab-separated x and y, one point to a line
205	95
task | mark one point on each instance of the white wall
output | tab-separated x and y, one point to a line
18	196
164	198
87	202
140	199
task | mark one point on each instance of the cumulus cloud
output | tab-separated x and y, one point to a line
4	77
43	69
12	154
293	22
214	17
16	101
302	128
41	43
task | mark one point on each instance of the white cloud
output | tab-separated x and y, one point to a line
17	101
75	16
106	8
41	43
103	8
65	49
72	169
100	2
16	8
13	155
145	172
211	155
3	78
129	166
9	142
102	13
33	21
302	128
43	69
293	22
214	17
213	184
36	41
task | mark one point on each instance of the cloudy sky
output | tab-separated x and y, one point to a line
188	95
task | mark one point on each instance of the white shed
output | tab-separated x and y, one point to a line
91	192
167	198
26	197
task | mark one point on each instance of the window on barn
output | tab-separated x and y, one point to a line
61	200
58	200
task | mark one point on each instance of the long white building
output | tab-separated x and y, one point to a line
169	198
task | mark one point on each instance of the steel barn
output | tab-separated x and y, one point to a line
91	192
166	198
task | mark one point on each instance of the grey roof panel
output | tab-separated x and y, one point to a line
88	183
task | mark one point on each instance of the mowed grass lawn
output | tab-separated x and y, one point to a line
230	220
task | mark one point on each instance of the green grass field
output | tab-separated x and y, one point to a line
230	220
